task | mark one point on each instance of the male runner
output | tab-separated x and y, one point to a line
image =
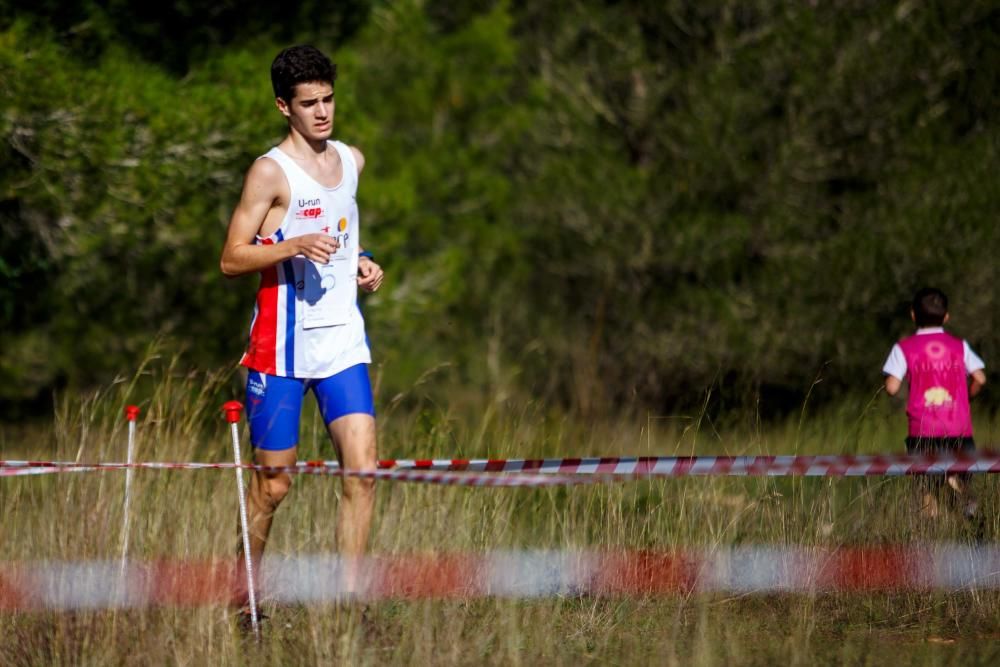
297	225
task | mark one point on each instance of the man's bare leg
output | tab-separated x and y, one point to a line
267	490
354	438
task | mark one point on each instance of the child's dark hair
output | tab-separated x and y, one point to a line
930	305
299	64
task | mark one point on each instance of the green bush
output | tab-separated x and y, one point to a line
596	204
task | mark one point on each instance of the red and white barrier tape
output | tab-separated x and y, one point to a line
549	472
836	465
520	574
418	476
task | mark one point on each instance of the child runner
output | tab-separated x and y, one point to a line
936	366
296	224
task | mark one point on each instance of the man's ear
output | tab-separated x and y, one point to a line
282	107
947	316
913	315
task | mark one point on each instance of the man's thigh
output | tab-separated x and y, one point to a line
354	437
278	458
274	407
346	393
346	403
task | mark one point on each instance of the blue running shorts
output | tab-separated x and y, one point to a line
274	404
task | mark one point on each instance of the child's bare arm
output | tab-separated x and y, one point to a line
978	380
892	384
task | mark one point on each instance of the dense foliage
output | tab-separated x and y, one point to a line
594	202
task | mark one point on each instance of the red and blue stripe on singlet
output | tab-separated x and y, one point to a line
270	342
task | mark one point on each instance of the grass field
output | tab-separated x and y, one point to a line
192	514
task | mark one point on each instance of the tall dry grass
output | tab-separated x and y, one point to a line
192	514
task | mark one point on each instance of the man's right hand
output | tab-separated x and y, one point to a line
317	247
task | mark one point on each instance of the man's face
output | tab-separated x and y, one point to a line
311	110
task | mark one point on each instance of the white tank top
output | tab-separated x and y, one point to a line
306	321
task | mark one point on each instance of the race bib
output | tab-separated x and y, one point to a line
328	293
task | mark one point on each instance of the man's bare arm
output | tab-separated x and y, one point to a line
240	255
359	158
978	380
369	273
892	384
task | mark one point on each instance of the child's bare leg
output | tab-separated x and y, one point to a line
927	502
964	496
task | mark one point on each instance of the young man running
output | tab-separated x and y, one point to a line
297	225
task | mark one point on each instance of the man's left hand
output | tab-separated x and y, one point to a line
369	274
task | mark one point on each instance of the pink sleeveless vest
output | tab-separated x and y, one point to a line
938	405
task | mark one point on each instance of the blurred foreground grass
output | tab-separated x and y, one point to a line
192	514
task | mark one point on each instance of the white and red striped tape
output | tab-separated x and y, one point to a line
564	471
520	574
420	476
837	465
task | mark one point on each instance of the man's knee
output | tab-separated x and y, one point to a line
361	489
274	488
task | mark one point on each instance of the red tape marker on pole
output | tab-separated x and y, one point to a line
233	410
131	414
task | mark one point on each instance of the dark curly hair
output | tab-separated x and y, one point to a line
299	64
930	305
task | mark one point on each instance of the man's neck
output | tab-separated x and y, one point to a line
304	148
